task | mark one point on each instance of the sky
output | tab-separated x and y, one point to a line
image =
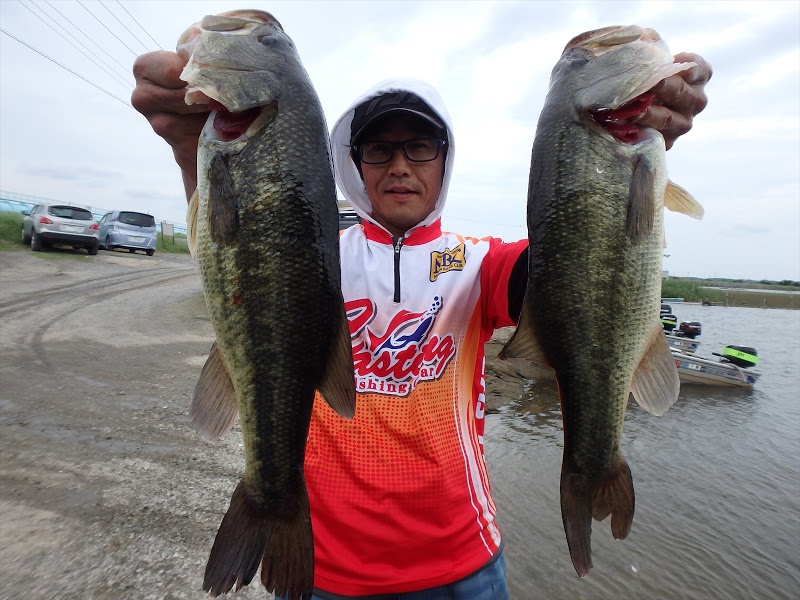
68	131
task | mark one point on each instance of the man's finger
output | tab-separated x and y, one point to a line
698	74
159	87
671	124
149	98
161	68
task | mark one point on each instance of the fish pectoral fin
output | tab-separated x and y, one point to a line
641	201
338	386
679	200
523	343
191	222
223	205
213	411
655	384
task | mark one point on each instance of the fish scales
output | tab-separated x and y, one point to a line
579	294
264	230
597	186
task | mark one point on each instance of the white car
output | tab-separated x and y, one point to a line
48	224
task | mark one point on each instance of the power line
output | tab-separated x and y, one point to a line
63	67
126	70
107	29
119	80
140	25
146	49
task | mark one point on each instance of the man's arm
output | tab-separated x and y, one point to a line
158	95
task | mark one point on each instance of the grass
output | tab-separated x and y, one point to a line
10	228
11	240
758	294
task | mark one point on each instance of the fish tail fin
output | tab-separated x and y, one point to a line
287	569
250	535
583	499
614	496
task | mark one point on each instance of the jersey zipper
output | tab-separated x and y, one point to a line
398	243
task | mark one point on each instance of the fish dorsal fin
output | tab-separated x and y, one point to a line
655	384
214	409
641	202
223	205
338	383
679	200
191	222
523	343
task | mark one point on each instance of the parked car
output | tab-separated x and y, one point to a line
47	224
128	229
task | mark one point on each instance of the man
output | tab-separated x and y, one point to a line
400	497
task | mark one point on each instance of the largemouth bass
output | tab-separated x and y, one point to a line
596	191
264	229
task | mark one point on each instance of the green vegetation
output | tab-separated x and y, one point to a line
11	238
725	292
177	245
10	229
690	291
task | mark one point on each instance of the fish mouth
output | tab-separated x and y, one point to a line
619	123
228	126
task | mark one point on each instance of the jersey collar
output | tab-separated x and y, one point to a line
417	236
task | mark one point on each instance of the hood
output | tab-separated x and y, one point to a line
347	178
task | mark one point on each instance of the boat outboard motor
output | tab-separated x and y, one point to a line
665	309
741	356
690	329
668	322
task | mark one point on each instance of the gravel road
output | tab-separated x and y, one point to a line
106	490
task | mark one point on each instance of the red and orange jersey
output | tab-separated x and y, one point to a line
400	496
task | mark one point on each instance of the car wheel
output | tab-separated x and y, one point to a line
36	242
26	239
132	250
92	250
150	252
108	245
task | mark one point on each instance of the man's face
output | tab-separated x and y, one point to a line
402	192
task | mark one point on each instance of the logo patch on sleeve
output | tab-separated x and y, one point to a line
449	260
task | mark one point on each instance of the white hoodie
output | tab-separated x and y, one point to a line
347	176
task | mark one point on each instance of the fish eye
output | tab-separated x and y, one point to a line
267	40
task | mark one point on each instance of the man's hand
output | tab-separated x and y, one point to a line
159	97
678	99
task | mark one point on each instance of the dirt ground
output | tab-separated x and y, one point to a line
106	490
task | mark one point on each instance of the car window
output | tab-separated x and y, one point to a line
139	219
71	212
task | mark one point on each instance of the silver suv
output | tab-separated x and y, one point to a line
128	229
47	224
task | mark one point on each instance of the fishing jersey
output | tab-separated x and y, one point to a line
400	496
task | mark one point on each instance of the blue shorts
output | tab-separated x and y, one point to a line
488	583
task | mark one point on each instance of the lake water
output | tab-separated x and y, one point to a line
717	482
